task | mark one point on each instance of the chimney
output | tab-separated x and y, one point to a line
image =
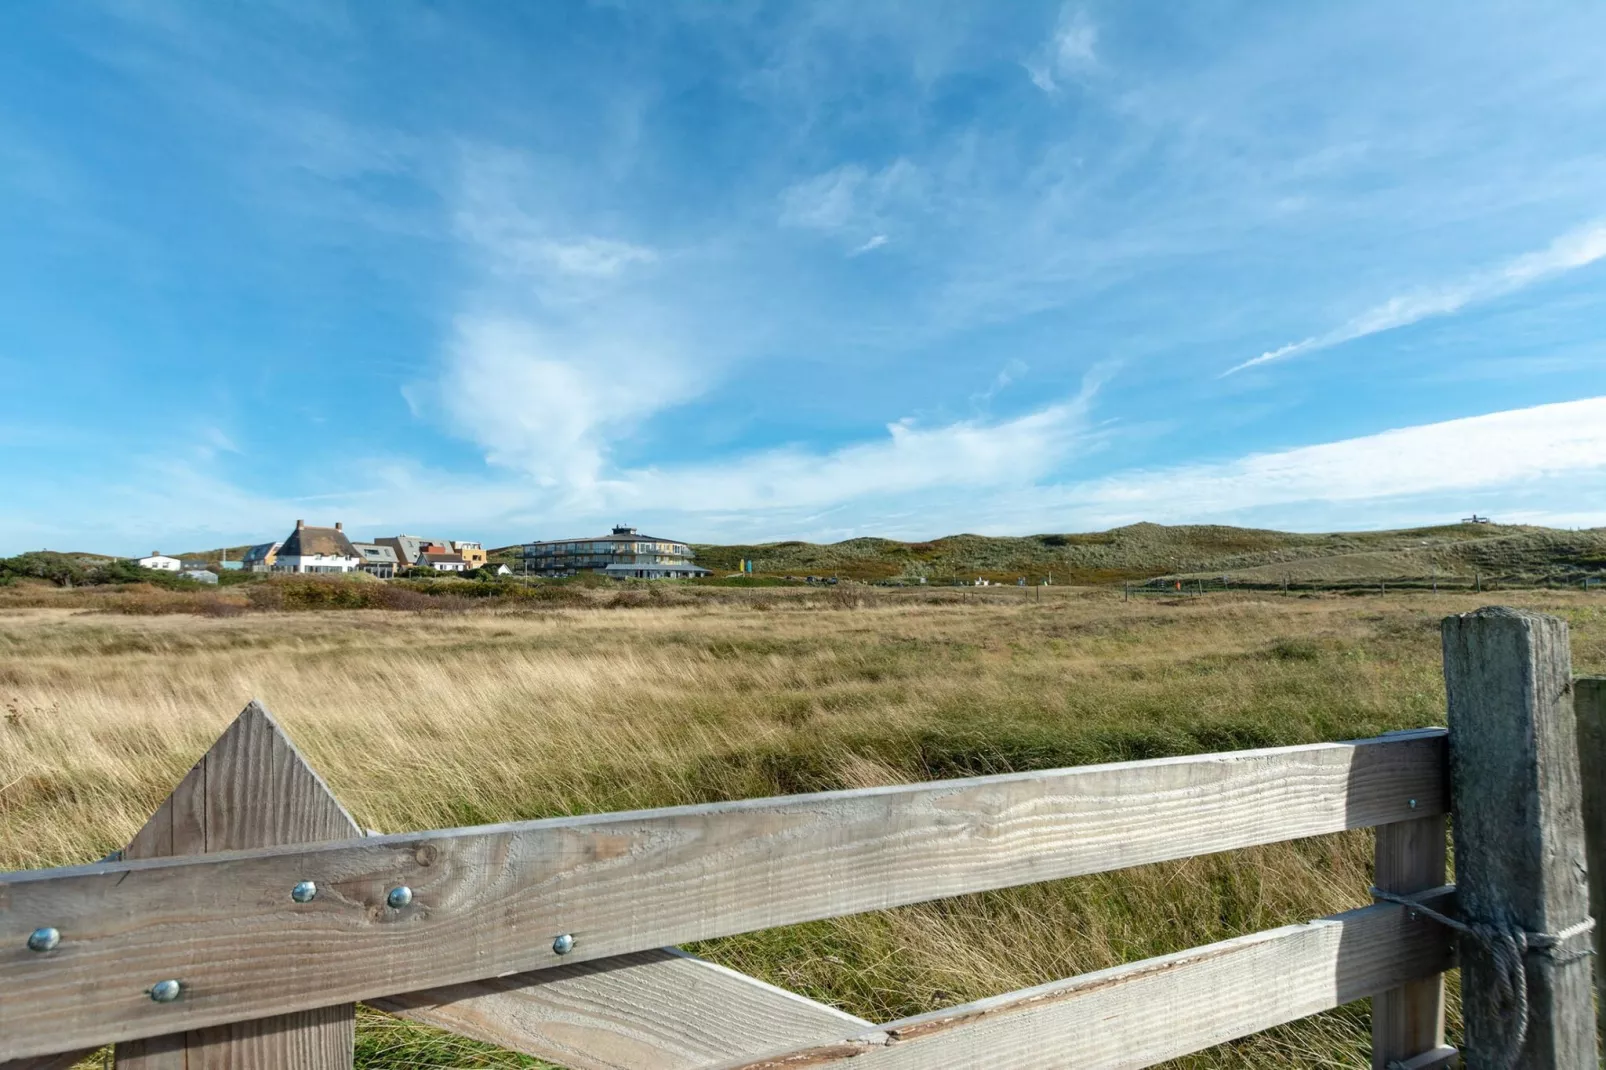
338	527
300	524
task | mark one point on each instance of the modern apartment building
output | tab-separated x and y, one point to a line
625	554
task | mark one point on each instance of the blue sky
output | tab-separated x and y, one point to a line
745	271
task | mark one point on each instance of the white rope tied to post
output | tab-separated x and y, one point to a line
1508	945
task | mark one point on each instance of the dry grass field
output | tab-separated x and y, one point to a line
432	720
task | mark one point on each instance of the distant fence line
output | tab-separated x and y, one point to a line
1175	586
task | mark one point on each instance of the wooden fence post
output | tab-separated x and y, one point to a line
1589	699
252	789
1519	838
1409	1021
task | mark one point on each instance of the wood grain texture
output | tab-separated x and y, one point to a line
488	901
1150	1011
1409	1021
63	1061
655	1010
252	789
1519	828
1589	702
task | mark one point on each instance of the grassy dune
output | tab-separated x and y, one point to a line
1518	555
424	720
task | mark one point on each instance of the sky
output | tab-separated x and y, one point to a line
748	271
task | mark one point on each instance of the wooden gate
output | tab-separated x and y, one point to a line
242	922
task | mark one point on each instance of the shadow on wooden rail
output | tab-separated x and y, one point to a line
244	919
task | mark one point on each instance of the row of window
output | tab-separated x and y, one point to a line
598	560
550	549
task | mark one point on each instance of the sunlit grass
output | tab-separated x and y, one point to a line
434	721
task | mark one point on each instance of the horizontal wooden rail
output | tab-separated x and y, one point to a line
1158	1009
490	901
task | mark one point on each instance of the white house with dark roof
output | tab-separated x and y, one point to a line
443	562
317	550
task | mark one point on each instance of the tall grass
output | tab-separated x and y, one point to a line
421	721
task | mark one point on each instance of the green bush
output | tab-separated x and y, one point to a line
65	570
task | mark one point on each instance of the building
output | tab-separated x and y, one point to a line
192	564
625	554
202	575
160	562
408	549
442	559
377	560
412	550
260	558
317	550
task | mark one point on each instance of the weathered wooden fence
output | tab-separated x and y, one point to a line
240	924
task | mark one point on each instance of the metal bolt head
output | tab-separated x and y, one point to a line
304	891
165	991
44	939
563	944
399	896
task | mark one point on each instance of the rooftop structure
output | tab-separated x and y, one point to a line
377	560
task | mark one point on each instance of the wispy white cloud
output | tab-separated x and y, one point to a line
874	243
1071	51
1012	370
915	481
596	257
910	459
560	347
827	201
216	438
1499	450
854	202
546	401
1541	465
1575	249
502	230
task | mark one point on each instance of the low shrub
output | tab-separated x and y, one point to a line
292	593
